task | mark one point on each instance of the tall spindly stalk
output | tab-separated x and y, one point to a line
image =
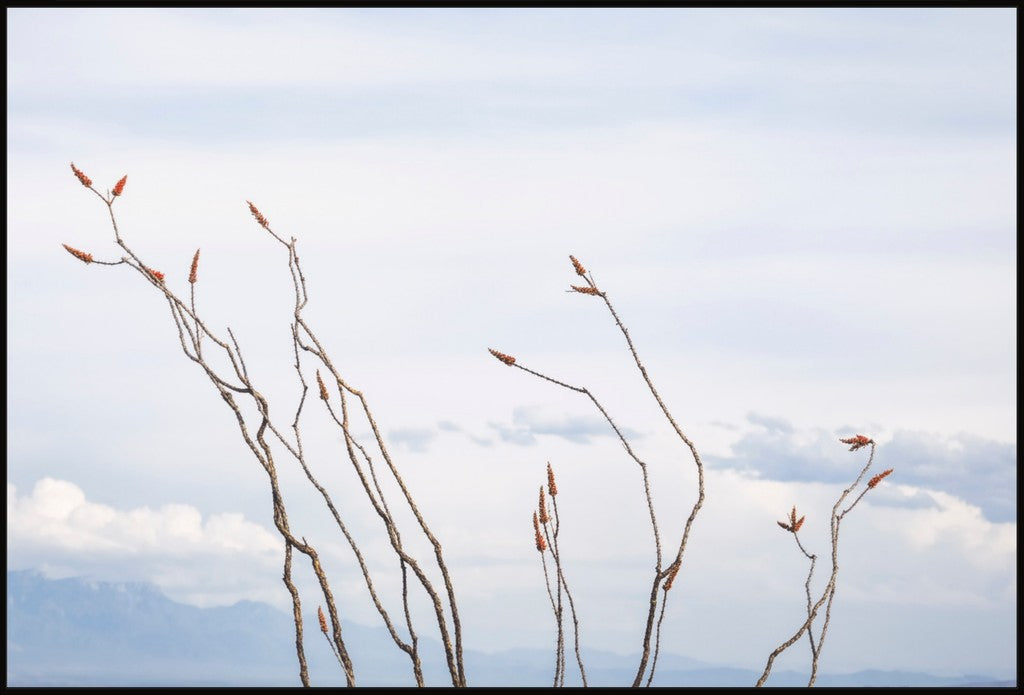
793	525
268	441
662	572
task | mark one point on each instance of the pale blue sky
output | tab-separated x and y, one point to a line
806	218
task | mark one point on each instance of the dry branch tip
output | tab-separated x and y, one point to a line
538	536
507	359
80	255
193	273
323	389
258	215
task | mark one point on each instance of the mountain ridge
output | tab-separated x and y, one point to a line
76	632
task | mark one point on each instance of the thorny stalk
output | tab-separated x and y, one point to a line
541	542
828	594
551	524
660	574
192	331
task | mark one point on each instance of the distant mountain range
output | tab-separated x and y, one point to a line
74	632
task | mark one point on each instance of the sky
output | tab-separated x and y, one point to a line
805	218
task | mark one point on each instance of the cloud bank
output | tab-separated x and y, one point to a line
980	471
56	529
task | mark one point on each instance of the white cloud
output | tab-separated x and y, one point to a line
55	526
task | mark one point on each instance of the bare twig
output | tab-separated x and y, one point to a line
660	574
828	594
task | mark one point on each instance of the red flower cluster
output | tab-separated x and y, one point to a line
878	478
552	488
258	215
86	181
507	359
195	268
580	270
157	275
857	441
538	536
119	186
80	255
794	524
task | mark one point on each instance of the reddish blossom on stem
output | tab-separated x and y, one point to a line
80	255
156	274
857	441
119	186
794	524
878	478
538	536
552	488
258	215
193	274
86	181
507	359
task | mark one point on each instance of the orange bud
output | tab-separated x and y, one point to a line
258	215
794	524
580	270
672	576
323	620
538	536
195	268
80	255
86	181
878	478
119	186
585	290
507	359
552	488
857	441
323	389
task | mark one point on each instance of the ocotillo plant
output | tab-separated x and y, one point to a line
793	525
267	440
546	525
663	575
